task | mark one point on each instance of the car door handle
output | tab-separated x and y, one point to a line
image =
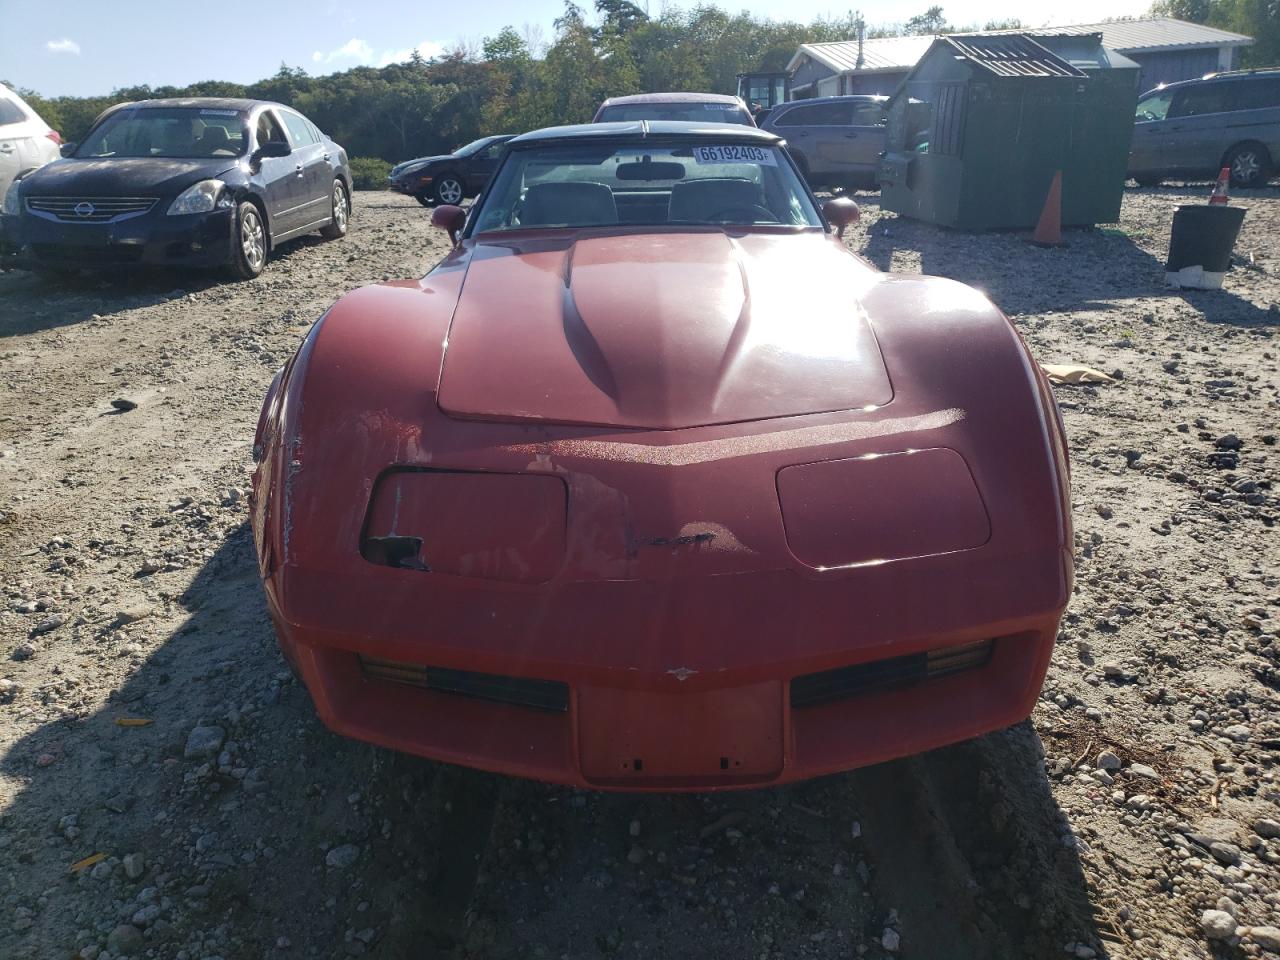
299	169
326	157
6	147
851	136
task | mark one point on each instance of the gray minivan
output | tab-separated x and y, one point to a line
1194	128
836	141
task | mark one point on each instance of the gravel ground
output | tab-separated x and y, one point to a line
165	790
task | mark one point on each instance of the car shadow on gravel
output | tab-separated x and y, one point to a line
1094	270
959	854
281	840
32	302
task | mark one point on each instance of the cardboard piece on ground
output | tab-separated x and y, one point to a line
1073	373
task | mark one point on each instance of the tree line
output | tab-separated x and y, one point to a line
515	82
1259	19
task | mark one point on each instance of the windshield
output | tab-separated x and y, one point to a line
475	146
184	132
1154	106
650	183
687	111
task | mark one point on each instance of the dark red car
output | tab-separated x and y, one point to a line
652	484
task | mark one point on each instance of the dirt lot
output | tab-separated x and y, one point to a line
1142	795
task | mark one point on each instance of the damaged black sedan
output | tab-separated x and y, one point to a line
197	182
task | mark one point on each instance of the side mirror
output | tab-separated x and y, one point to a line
274	148
451	218
67	149
841	212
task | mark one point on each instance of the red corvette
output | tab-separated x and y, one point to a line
651	484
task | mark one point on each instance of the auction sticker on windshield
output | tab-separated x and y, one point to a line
735	153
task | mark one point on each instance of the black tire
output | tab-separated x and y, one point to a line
339	212
425	199
1250	165
250	246
448	189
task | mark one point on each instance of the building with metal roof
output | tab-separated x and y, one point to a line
1164	48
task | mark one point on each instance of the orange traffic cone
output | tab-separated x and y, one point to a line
1219	194
1049	229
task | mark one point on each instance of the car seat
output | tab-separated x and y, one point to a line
568	203
697	201
176	140
213	139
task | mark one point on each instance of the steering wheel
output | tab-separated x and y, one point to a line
752	211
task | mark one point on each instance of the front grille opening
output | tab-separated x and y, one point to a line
549	695
86	256
879	675
90	209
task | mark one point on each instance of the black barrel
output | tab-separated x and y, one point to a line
1203	236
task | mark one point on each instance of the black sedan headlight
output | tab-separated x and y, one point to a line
12	206
203	197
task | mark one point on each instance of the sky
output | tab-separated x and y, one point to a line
84	47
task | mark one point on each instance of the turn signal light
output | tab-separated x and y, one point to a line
895	672
518	691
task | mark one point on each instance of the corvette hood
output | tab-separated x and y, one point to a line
661	331
122	176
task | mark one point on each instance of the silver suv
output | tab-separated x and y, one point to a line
1194	128
836	141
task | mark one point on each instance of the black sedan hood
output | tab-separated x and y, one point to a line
121	176
427	161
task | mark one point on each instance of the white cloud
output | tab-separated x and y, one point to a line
354	49
359	51
428	49
63	46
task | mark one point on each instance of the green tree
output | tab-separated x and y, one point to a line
619	17
507	47
1196	11
1259	19
930	22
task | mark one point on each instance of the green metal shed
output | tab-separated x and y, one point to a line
978	128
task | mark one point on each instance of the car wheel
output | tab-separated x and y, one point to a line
1250	165
249	253
448	189
340	213
424	199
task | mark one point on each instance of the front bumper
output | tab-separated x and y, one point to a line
646	710
153	240
412	184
